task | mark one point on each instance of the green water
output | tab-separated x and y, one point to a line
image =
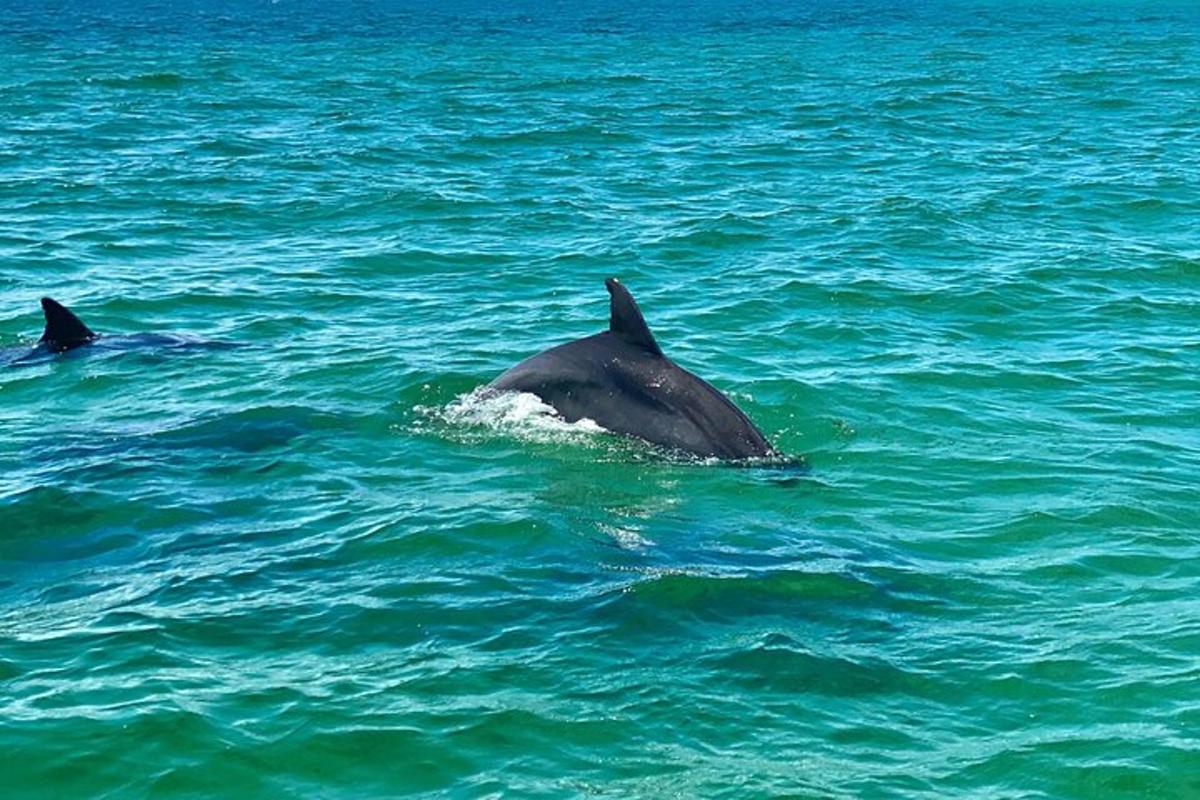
947	252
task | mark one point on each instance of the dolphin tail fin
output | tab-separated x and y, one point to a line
64	330
626	320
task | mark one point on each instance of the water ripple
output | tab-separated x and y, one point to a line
947	252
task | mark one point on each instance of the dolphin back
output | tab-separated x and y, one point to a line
621	380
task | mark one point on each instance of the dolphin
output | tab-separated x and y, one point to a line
621	380
64	332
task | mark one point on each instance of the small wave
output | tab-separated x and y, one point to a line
778	662
248	430
152	80
568	82
49	524
680	587
714	239
578	135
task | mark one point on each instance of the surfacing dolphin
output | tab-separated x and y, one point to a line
621	380
64	331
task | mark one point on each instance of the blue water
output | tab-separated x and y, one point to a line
945	252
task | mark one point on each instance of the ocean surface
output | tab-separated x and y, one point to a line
947	253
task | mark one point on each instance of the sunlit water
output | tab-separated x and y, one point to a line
948	253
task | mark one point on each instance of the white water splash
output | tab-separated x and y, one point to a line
627	537
517	414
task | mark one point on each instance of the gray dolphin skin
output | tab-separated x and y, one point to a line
66	332
621	380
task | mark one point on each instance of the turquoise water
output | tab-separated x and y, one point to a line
946	252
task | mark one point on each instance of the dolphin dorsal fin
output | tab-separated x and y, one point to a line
626	321
64	330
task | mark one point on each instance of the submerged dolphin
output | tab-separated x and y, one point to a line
621	380
64	331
